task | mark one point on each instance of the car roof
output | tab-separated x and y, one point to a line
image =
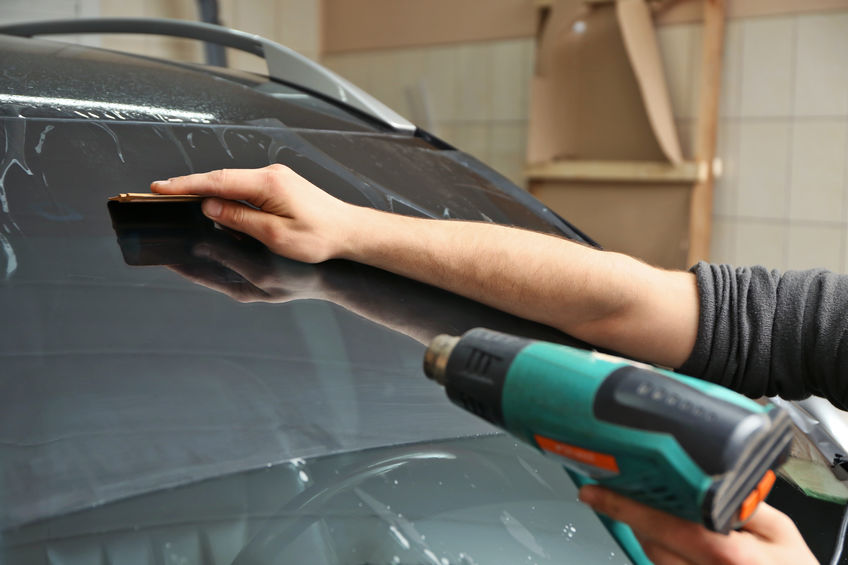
127	364
45	78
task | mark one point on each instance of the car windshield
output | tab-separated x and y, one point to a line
463	501
160	376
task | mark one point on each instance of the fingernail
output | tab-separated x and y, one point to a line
162	182
212	208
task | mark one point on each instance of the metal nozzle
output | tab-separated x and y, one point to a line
437	355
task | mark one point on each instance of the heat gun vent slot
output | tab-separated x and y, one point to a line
479	362
646	490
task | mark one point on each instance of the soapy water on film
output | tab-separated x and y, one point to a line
13	156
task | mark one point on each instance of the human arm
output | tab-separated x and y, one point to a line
767	333
769	537
607	299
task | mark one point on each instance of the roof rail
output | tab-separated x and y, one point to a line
284	64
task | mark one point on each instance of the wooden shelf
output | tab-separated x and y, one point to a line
685	173
698	174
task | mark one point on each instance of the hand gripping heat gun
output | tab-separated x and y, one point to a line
685	446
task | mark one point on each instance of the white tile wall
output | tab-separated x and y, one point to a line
767	63
472	137
723	243
474	94
508	83
28	10
442	74
731	70
726	185
815	245
818	170
783	141
506	149
477	93
297	26
271	19
24	10
761	243
821	78
762	169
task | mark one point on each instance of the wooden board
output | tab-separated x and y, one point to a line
380	24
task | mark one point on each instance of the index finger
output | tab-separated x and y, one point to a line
251	185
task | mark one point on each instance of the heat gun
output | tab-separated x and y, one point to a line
685	446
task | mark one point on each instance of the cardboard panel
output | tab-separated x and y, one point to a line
598	94
648	221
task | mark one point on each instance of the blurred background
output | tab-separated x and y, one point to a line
464	71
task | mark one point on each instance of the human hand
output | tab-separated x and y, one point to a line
769	537
292	216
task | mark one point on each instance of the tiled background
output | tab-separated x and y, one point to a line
291	22
783	136
476	95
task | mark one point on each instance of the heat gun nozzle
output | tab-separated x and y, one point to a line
437	355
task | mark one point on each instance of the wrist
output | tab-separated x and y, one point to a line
357	227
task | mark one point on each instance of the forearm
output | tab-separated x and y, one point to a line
608	299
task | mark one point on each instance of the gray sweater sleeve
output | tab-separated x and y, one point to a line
763	333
